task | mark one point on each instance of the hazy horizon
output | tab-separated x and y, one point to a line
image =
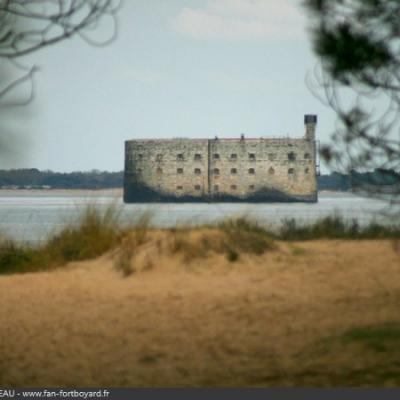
195	68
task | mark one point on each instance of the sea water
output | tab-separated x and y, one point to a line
32	217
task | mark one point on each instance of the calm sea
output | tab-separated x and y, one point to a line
31	217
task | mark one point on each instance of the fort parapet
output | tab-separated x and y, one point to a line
212	170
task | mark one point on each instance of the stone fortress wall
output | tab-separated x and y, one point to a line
276	169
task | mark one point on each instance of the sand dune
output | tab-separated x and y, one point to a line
261	321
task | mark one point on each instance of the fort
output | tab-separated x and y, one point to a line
215	170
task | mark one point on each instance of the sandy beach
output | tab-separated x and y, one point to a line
269	320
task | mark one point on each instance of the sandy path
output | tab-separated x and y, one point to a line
209	323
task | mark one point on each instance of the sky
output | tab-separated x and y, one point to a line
178	68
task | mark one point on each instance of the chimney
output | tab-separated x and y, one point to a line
310	122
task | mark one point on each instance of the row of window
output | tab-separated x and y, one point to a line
215	187
272	156
216	171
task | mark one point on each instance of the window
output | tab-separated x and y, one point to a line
159	157
216	156
252	156
159	171
197	157
307	156
291	156
197	171
291	171
271	171
252	171
233	156
179	171
216	188
233	171
179	188
307	170
180	157
271	156
197	187
216	171
251	187
233	187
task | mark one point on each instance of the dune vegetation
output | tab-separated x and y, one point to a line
232	304
95	233
99	231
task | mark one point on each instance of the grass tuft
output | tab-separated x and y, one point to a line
194	244
124	260
231	255
135	237
335	227
17	258
231	237
95	233
245	236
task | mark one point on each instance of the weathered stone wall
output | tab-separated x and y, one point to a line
221	169
177	167
283	165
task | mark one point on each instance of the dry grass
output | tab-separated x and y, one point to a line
362	355
231	238
326	317
246	236
304	313
196	243
136	236
98	231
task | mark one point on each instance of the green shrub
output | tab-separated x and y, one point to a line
379	338
231	255
16	258
335	227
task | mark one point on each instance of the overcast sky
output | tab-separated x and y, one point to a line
179	68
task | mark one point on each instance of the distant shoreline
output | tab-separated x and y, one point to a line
115	192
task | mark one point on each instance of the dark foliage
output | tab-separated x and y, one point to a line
383	180
334	181
358	42
33	178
